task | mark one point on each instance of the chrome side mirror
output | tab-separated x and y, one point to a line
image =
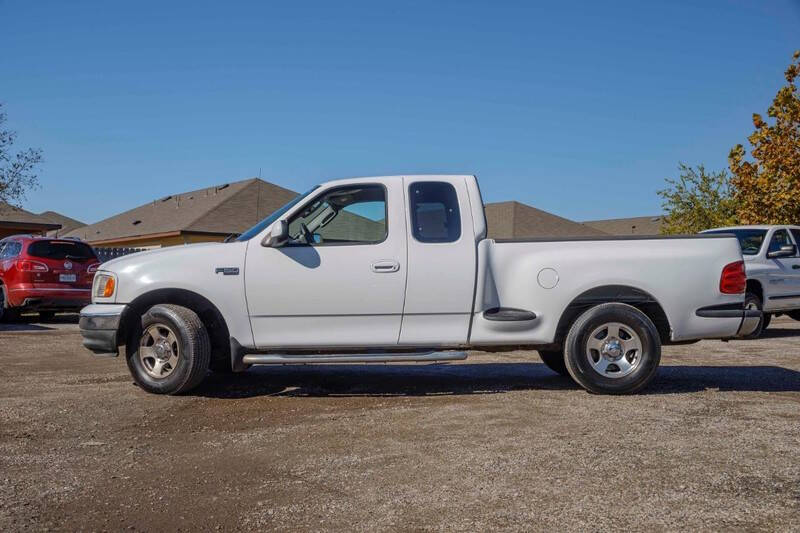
787	250
277	236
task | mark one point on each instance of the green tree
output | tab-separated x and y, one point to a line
17	170
697	201
767	189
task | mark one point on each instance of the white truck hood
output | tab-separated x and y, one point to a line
119	264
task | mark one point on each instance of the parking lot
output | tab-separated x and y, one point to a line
497	441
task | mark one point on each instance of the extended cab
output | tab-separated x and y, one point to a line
399	269
772	265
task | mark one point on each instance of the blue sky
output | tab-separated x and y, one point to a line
578	108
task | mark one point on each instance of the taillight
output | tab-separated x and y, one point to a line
26	265
733	279
93	268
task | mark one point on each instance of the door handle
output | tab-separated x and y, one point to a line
385	267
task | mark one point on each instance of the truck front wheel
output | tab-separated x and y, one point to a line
753	301
612	348
170	352
554	360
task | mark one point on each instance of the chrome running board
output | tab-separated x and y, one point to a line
283	359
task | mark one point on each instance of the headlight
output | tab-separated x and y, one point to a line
104	286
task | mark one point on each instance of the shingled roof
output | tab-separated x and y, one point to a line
15	218
629	226
67	224
515	220
220	210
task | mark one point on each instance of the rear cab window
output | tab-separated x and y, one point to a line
60	250
435	215
750	240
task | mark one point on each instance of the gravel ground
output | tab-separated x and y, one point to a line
495	442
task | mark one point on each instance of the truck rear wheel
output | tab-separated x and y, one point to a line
612	348
794	315
171	351
554	360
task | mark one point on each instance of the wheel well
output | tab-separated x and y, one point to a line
637	298
755	287
209	314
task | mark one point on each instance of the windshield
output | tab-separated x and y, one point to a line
749	239
258	228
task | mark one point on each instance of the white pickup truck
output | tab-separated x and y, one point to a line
772	265
399	268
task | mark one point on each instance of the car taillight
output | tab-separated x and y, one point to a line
733	279
26	265
93	268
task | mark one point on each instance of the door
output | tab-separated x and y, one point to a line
784	276
793	269
340	279
442	256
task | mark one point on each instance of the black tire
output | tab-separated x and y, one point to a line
194	350
794	315
554	360
47	315
752	301
577	355
767	320
7	314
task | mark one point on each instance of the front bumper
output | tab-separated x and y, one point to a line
750	318
99	325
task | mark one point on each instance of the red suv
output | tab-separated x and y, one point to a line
45	275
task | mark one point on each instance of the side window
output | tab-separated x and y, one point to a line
345	215
434	212
2	247
796	235
11	249
779	238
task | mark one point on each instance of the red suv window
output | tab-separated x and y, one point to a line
10	249
76	251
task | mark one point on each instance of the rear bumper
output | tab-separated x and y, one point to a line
50	298
749	318
99	325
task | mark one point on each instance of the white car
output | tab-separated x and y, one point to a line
399	268
772	264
